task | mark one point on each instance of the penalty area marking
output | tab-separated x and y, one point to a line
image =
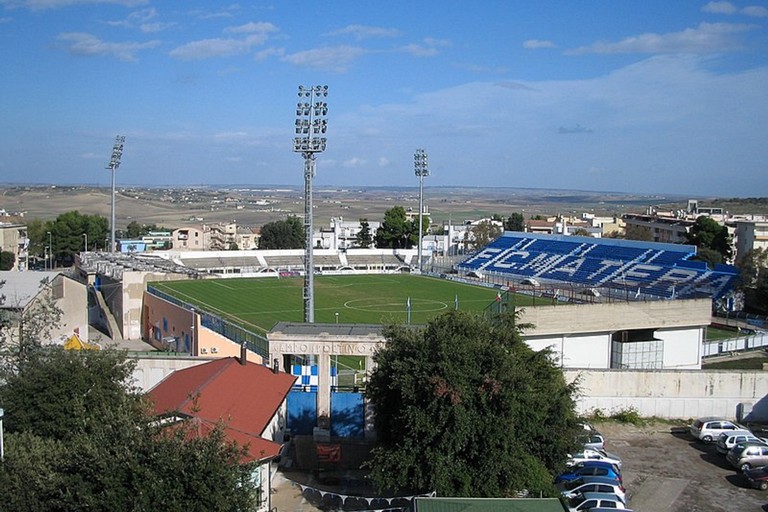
392	304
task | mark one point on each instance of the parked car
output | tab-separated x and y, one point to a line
758	477
590	469
592	500
709	428
727	441
568	485
610	488
592	454
745	456
593	441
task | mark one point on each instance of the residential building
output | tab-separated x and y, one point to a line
13	239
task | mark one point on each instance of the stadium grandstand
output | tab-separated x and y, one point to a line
600	267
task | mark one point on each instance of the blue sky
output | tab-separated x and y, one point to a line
653	96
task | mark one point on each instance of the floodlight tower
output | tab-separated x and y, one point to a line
420	164
114	163
311	124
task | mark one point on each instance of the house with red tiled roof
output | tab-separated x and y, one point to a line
248	399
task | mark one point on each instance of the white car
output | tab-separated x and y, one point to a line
604	487
709	428
593	454
592	500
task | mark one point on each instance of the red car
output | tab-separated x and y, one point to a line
758	477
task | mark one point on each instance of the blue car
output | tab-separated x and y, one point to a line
590	469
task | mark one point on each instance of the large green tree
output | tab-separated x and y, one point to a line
79	437
465	408
396	231
481	234
283	234
515	222
712	239
364	237
69	232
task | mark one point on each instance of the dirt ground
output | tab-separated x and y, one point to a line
664	470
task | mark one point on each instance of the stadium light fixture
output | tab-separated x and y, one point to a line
114	163
311	125
421	166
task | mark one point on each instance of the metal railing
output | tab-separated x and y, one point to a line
256	343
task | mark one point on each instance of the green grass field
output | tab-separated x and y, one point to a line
258	303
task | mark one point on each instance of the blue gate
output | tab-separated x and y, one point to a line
347	415
302	412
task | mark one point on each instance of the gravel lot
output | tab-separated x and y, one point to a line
664	470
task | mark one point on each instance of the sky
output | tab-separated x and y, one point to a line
650	97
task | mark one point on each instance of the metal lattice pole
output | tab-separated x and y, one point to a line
311	125
114	163
420	165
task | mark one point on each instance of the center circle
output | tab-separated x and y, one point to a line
393	304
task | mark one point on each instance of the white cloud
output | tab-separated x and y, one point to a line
217	47
336	59
262	27
39	5
269	52
720	8
360	32
80	43
354	162
536	44
151	28
258	34
419	50
383	161
704	39
756	11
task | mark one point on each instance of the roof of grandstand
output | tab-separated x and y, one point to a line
655	269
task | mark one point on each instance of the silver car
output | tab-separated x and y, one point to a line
727	441
745	456
708	429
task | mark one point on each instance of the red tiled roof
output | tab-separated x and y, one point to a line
244	397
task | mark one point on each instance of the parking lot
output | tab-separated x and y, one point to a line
665	470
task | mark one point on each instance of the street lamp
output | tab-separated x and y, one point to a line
311	124
420	164
50	249
114	163
85	235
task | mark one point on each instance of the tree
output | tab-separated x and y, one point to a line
635	232
515	222
581	232
464	407
79	437
283	234
67	234
481	234
364	237
706	233
396	231
754	279
7	260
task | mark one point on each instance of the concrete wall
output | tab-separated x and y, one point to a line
73	303
166	319
672	393
616	316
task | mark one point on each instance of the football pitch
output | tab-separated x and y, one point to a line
258	303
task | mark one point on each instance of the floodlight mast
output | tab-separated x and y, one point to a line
421	166
114	163
311	125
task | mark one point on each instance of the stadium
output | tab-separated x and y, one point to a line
599	305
